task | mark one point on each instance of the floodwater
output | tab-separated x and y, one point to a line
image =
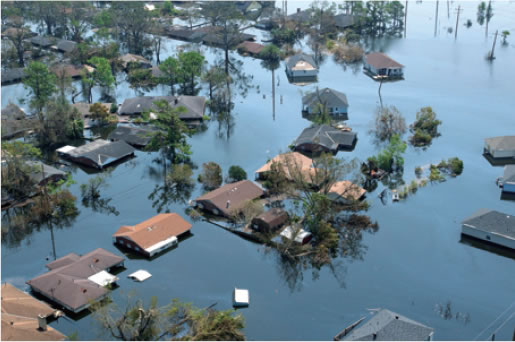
414	264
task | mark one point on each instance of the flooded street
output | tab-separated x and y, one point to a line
414	264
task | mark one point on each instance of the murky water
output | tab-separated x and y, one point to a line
412	264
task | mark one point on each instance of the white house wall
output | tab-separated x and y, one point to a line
494	238
508	187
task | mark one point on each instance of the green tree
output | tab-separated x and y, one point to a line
236	173
98	112
132	21
190	68
177	188
505	35
103	75
211	176
170	69
16	179
216	80
41	84
425	127
390	159
484	14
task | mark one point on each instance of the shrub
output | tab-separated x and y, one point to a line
114	108
421	138
413	186
236	173
211	175
418	171
456	165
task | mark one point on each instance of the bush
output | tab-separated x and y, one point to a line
435	175
413	186
211	175
421	138
418	171
236	173
114	108
455	165
425	127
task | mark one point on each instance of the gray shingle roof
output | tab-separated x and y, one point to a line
102	152
42	41
66	45
492	221
194	105
293	60
12	75
509	173
326	136
390	326
132	135
12	112
343	20
328	96
41	172
501	143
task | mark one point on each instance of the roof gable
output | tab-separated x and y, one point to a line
381	61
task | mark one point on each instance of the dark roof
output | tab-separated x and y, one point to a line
501	143
217	39
301	16
381	61
253	48
83	107
132	135
272	217
234	193
343	20
42	41
492	221
194	105
69	284
327	96
12	75
11	128
509	173
66	45
41	172
12	112
293	60
102	152
326	136
390	326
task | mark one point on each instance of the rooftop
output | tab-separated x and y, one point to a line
194	105
301	57
492	221
327	96
132	135
381	61
290	160
347	190
501	143
509	173
326	136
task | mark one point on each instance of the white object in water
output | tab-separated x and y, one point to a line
140	275
103	278
240	297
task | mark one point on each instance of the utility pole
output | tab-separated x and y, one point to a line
491	56
436	17
405	18
487	19
448	13
457	21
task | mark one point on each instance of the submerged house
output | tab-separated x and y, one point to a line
343	21
333	101
390	326
346	192
42	41
491	226
135	136
288	161
229	198
324	138
194	106
74	282
15	122
65	46
269	220
42	173
251	48
24	318
13	75
98	153
154	235
301	65
69	70
508	179
380	65
130	58
84	111
500	148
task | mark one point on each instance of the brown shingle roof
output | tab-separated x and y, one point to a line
20	317
254	48
347	190
381	61
291	160
236	193
162	227
69	70
273	217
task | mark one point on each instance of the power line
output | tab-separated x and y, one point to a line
502	325
485	329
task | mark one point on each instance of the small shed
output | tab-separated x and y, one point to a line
508	180
502	147
240	298
301	65
270	220
140	275
380	65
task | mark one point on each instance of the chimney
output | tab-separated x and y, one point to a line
298	10
228	204
176	101
42	322
374	336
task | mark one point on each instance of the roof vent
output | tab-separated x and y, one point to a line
84	290
149	229
96	260
228	204
396	317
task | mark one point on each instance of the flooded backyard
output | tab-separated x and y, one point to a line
414	264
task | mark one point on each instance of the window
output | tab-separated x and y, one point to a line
488	237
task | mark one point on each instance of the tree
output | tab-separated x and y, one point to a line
484	14
190	67
20	34
177	188
236	173
16	179
175	321
216	79
211	176
425	127
60	123
78	22
390	159
103	75
388	122
170	69
247	211
98	112
505	35
132	21
41	84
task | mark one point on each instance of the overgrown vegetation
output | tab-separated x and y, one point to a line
388	121
390	159
211	176
425	127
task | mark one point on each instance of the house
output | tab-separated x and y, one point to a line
15	122
154	235
194	106
248	6
288	161
69	70
42	174
491	226
156	72
269	220
500	148
190	35
343	21
97	154
508	180
301	65
250	48
85	113
66	46
74	282
13	75
129	58
301	17
298	235
16	32
333	101
324	138
379	65
24	318
346	192
135	136
390	326
13	112
233	39
229	198
42	41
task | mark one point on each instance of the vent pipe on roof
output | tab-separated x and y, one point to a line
374	336
298	10
42	322
176	101
228	204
